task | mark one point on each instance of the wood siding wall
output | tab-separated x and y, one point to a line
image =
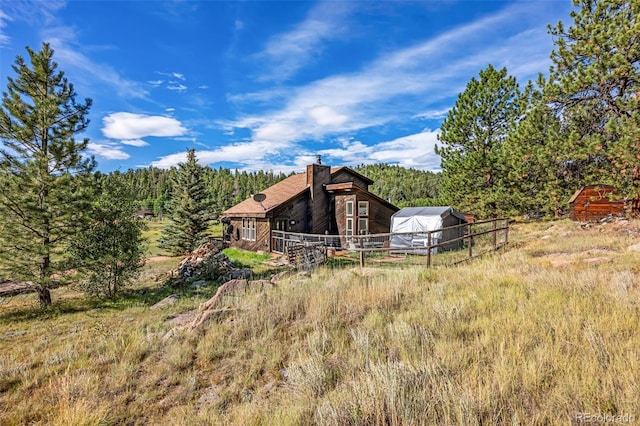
379	214
297	211
343	176
595	202
263	235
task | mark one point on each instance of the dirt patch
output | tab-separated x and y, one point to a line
159	258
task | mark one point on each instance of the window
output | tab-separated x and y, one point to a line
349	227
363	226
349	208
249	229
363	208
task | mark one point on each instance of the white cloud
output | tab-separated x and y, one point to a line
134	142
178	76
129	126
327	116
247	153
288	52
88	71
177	87
155	83
4	38
416	151
107	151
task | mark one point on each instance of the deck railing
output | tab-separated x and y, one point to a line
476	238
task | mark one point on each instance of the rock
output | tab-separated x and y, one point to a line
594	260
211	314
558	263
241	273
233	286
167	301
260	284
199	283
279	276
545	237
635	247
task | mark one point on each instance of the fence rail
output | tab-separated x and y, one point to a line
469	238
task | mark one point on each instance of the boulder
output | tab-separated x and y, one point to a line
167	301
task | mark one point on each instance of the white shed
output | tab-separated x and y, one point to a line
409	227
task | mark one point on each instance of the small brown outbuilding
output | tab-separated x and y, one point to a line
594	202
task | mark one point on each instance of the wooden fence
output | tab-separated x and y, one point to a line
472	239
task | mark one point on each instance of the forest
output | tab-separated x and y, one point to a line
224	187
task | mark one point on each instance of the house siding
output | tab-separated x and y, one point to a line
263	235
343	176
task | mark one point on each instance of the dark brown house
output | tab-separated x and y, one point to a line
323	200
594	202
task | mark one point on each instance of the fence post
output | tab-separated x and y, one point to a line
428	249
494	225
469	235
506	231
361	258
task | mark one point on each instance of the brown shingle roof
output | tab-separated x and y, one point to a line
276	194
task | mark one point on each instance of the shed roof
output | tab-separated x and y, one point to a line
606	188
441	211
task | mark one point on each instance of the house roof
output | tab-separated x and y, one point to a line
275	195
284	191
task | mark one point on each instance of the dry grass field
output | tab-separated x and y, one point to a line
543	332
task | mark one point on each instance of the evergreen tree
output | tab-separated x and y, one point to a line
540	171
110	252
471	138
190	212
43	175
595	87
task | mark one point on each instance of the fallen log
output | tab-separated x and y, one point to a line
10	289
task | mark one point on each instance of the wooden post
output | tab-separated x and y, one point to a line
494	224
361	258
429	249
470	241
506	231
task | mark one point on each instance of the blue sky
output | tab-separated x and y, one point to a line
268	85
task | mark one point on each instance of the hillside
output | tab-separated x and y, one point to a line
535	334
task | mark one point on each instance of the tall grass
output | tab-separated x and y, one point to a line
505	339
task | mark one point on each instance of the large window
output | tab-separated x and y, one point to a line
349	208
249	229
363	226
363	208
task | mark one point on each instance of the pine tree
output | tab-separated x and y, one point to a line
110	252
595	87
190	211
540	171
471	138
43	173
